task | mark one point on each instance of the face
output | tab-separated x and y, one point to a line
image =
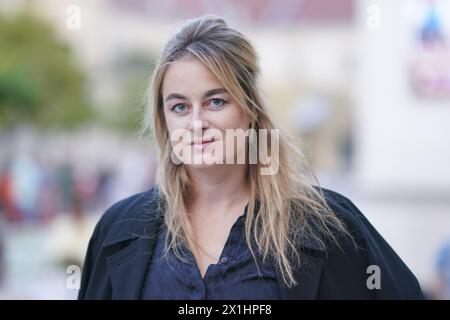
205	124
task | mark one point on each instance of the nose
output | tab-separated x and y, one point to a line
199	121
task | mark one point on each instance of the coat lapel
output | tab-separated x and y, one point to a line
131	241
128	268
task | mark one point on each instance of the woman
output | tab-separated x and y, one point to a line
224	221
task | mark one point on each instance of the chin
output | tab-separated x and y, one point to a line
206	162
204	166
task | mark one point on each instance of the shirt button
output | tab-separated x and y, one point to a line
224	260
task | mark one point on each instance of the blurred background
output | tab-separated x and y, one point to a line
364	85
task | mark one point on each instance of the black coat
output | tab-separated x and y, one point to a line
122	244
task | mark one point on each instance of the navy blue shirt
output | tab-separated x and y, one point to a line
235	276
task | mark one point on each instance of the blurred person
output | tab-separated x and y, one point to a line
64	181
215	230
85	187
50	197
2	250
26	179
7	204
441	287
102	197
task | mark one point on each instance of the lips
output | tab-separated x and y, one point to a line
203	141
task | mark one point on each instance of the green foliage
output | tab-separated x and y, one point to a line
39	80
134	70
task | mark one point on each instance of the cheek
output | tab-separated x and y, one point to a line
233	118
173	122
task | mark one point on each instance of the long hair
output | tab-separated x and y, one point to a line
285	208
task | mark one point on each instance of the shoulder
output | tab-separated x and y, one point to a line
342	206
136	206
348	214
355	222
122	222
354	260
130	207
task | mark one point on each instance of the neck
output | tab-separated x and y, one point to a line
222	186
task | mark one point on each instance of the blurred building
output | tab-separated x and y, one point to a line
363	84
402	134
306	48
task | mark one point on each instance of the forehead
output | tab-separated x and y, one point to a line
188	76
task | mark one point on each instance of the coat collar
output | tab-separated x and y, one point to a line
131	241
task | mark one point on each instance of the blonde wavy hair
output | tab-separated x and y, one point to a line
284	209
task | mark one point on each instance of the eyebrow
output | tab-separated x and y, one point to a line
206	95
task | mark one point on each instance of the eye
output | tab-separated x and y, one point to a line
179	108
217	103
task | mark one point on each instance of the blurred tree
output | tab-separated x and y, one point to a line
39	80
